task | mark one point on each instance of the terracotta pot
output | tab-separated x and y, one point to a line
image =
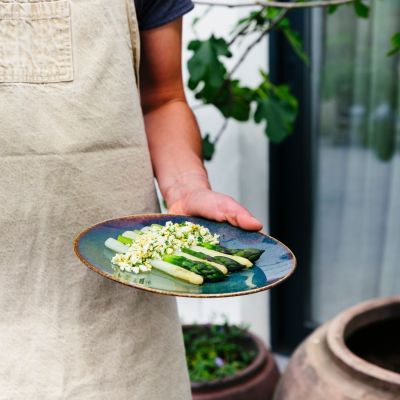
355	356
255	382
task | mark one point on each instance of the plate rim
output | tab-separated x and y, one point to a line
177	294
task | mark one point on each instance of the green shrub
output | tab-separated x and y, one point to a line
217	351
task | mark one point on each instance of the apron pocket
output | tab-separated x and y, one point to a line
35	42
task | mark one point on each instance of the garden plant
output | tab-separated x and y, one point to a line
214	84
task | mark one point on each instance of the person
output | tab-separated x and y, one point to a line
74	151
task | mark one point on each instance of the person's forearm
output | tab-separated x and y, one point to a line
174	137
175	148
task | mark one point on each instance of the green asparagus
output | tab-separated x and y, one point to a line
221	267
241	260
207	271
249	253
230	264
125	240
186	251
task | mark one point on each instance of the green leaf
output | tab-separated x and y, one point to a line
361	9
284	24
208	148
272	12
209	81
283	93
235	101
204	65
295	41
279	117
278	107
332	8
256	20
395	42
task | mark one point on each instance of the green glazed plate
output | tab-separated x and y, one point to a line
275	265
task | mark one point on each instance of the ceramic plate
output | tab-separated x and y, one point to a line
275	265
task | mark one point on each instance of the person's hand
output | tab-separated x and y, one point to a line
203	202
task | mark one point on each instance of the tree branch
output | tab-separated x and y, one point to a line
243	30
221	131
276	4
270	27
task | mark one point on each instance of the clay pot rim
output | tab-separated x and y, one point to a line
262	357
339	330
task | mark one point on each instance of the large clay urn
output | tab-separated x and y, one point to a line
355	356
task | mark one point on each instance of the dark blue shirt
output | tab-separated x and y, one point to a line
154	13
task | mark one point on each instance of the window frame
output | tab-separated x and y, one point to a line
291	188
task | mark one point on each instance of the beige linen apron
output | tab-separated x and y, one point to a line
73	152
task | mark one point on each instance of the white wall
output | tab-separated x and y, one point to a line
239	168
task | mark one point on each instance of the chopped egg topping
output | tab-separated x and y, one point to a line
155	241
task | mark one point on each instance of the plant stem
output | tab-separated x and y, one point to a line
204	14
270	27
277	4
220	132
243	30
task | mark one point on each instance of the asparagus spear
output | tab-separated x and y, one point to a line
130	234
177	272
230	264
170	269
249	253
208	272
241	260
116	246
125	240
221	267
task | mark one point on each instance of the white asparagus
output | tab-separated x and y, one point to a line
130	234
116	245
221	267
241	260
177	272
170	269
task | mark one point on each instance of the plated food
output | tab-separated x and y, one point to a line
275	264
183	250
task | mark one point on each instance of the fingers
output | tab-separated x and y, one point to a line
218	207
249	223
233	212
239	216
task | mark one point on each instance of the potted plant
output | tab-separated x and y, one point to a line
227	362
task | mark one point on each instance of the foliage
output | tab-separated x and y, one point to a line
361	9
277	107
395	41
214	85
273	105
208	148
216	351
